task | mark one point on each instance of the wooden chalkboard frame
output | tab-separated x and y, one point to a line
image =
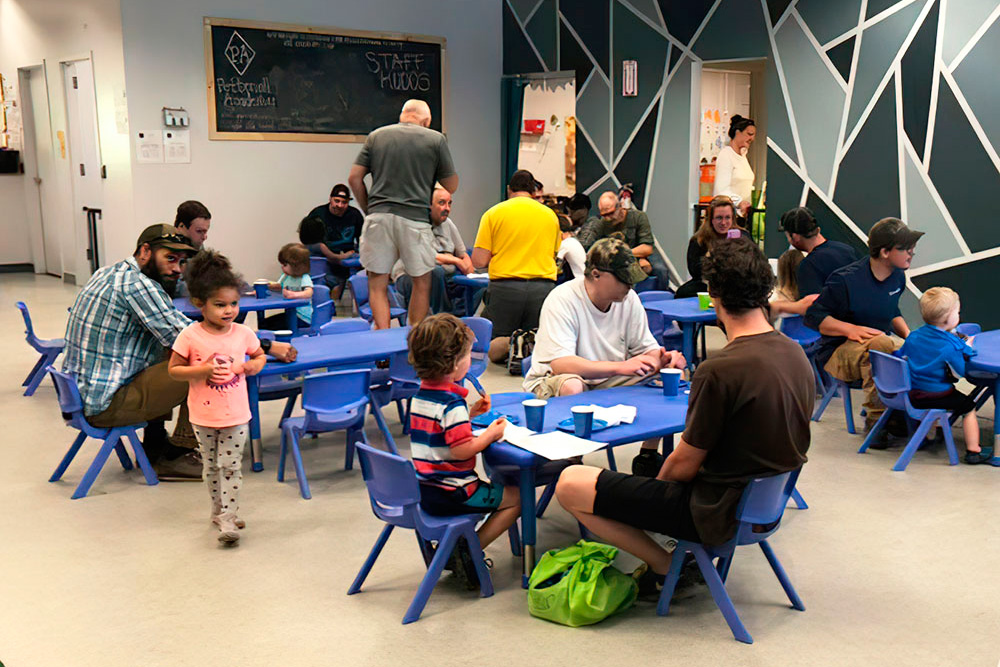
215	135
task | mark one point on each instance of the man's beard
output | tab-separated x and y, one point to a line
153	273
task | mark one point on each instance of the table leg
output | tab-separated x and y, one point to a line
293	321
996	414
469	300
687	333
526	479
253	393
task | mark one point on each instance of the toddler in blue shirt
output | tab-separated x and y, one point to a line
937	356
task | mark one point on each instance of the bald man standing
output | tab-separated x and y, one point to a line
404	160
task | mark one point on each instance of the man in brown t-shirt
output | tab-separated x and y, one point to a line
748	417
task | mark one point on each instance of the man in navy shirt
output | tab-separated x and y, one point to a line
858	309
823	258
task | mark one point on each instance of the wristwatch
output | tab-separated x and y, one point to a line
265	344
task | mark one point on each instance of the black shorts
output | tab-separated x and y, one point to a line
646	503
515	304
952	400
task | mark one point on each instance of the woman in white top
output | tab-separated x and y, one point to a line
733	174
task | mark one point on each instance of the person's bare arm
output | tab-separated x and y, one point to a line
831	326
642	364
470	448
256	363
356	179
449	183
642	251
799	307
900	327
682	464
447	258
284	352
481	257
178	369
300	294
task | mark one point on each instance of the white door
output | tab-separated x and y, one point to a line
39	163
85	163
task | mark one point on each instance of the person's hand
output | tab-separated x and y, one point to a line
284	352
254	366
640	366
743	207
645	265
220	374
465	265
860	334
480	407
672	359
206	370
807	301
968	341
238	367
495	430
274	287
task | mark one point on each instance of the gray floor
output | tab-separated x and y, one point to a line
894	568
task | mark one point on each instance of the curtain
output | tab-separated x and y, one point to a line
511	108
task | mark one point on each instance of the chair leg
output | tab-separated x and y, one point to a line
401	412
38	375
123	455
68	458
282	455
800	502
845	391
611	459
543	502
876	429
97	464
514	535
350	449
831	391
949	440
300	470
39	366
479	560
820	385
721	597
779	572
914	444
724	564
370	561
670	583
289	406
444	549
142	459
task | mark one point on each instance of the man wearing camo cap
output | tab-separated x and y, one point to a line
593	333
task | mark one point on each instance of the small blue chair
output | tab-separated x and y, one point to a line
332	401
323	310
344	325
795	328
395	499
760	509
837	387
359	288
48	348
71	405
317	269
483	329
664	331
892	381
403	384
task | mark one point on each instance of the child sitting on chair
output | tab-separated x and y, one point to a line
441	442
936	356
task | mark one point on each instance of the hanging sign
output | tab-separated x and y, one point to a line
630	78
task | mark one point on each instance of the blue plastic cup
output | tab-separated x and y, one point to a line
283	335
583	420
534	414
671	378
260	288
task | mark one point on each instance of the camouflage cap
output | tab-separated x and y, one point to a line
165	236
614	256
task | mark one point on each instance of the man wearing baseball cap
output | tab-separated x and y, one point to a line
823	258
858	309
343	225
593	333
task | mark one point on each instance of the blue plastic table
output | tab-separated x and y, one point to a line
471	286
251	304
353	263
688	314
324	352
656	415
986	366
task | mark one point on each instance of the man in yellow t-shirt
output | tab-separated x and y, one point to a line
518	240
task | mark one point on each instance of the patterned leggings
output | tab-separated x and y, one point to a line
222	457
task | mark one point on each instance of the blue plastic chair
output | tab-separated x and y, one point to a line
48	348
837	387
332	401
483	329
647	285
72	408
395	499
402	386
761	508
892	381
794	327
323	310
345	325
317	269
359	289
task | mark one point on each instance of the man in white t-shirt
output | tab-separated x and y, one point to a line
593	334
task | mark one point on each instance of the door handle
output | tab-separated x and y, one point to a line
83	172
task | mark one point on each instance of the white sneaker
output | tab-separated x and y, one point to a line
240	523
228	532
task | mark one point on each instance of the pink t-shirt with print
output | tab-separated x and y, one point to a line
217	405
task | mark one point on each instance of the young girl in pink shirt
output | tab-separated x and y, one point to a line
210	355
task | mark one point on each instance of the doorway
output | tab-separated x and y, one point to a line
547	146
39	167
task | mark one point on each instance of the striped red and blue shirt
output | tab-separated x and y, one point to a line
439	420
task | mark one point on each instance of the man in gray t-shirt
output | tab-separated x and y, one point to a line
404	161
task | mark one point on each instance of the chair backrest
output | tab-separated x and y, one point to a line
68	393
765	498
345	325
322	306
655	295
336	391
391	481
656	322
28	329
966	328
400	369
483	329
317	268
794	327
359	288
892	378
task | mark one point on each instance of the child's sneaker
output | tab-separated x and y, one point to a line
460	562
240	523
228	532
651	584
984	456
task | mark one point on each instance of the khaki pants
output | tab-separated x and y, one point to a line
850	362
551	384
151	396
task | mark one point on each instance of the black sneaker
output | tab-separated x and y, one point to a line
897	425
975	458
651	584
461	564
881	440
647	463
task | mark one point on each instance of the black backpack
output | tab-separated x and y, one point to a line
522	343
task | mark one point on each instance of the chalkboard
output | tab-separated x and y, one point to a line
278	82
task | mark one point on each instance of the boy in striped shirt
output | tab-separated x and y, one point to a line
441	442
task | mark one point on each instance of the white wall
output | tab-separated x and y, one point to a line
50	31
16	247
258	191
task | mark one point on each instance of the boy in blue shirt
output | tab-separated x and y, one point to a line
936	356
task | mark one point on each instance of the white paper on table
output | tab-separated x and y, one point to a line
553	446
615	415
479	276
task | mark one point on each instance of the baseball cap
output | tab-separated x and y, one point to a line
614	256
341	190
165	236
799	220
892	233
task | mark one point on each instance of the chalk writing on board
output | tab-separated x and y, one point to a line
399	71
239	53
